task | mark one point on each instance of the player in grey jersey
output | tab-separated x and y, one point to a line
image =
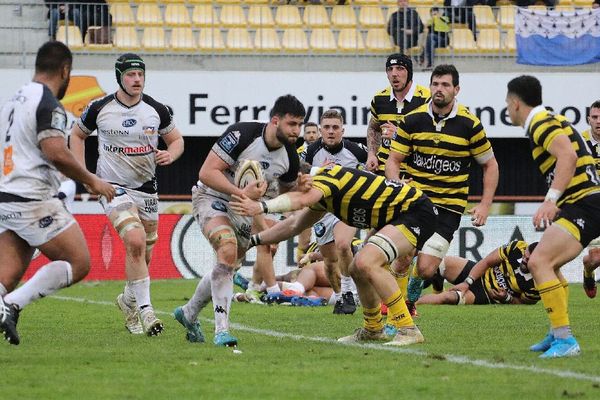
34	150
129	124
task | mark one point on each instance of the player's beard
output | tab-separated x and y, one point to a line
63	88
283	138
441	103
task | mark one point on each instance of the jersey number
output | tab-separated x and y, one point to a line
8	164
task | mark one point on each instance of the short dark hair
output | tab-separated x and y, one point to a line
332	114
527	88
52	57
288	104
595	104
445	69
306	125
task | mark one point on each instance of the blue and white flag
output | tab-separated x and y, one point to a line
557	37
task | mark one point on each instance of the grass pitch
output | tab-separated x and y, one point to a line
74	346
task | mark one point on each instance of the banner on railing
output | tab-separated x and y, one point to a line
557	37
182	251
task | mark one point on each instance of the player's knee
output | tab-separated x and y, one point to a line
594	255
135	243
80	266
223	240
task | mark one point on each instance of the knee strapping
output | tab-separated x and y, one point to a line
125	221
386	245
151	239
221	235
460	298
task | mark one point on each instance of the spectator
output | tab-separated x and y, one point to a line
437	37
96	14
404	26
461	12
65	10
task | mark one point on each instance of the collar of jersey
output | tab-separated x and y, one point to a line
409	95
440	125
535	110
125	105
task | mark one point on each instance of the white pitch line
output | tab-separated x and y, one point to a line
455	359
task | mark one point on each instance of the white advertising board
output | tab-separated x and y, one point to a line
205	103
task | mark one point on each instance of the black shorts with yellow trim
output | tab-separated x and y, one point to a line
447	223
582	218
476	288
418	223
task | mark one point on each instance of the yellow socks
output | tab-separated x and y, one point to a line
554	297
398	314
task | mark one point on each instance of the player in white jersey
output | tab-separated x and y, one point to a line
129	124
270	143
333	236
33	151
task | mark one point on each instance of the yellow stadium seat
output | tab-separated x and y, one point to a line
350	41
537	8
510	42
420	3
177	15
484	17
173	1
122	14
70	35
126	38
213	1
389	2
148	15
288	16
322	41
232	16
488	40
462	41
365	2
260	16
315	16
154	38
266	39
424	14
204	15
210	39
371	17
565	8
238	39
583	3
378	41
506	17
343	17
294	40
257	1
182	39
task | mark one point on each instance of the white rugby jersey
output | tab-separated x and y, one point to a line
127	138
31	115
347	154
244	141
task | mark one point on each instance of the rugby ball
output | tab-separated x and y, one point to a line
246	172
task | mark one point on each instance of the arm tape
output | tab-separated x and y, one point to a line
281	203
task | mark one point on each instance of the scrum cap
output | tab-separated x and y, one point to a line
402	60
127	62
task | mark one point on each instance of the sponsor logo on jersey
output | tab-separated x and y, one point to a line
436	165
359	218
128	123
500	277
113	132
129	150
12	215
219	206
149	130
229	141
45	222
319	229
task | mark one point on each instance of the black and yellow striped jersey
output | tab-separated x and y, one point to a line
593	147
356	245
301	149
362	199
509	276
440	153
385	107
542	130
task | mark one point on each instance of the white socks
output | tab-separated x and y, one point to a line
273	289
140	289
221	287
47	280
202	296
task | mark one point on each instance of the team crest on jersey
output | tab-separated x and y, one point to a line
149	130
128	123
319	229
45	222
59	119
219	206
229	141
437	139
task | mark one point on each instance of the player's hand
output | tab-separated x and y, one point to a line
304	182
544	215
304	260
243	205
388	130
461	287
101	188
162	157
372	163
498	294
479	214
255	189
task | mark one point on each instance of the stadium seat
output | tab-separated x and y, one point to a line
294	40
126	38
177	15
583	3
153	38
149	15
211	40
365	2
238	39
322	41
70	35
232	16
488	40
510	42
182	39
424	14
173	1
378	41
257	1
343	17
260	16
564	8
122	15
267	40
350	41
537	8
371	17
315	16
392	3
204	15
484	17
506	17
288	16
462	41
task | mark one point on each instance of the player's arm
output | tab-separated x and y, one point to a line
77	144
479	269
287	228
212	174
175	145
290	201
373	144
480	213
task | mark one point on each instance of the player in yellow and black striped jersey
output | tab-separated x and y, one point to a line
500	277
441	140
574	192
403	217
401	97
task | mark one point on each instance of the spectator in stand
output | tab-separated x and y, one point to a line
437	36
95	13
404	26
461	12
64	10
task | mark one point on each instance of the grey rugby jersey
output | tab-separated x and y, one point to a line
127	138
31	115
347	154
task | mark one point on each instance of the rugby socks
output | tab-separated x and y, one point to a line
372	319
402	280
273	289
554	298
221	286
141	292
347	284
415	286
565	285
47	280
398	314
202	296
